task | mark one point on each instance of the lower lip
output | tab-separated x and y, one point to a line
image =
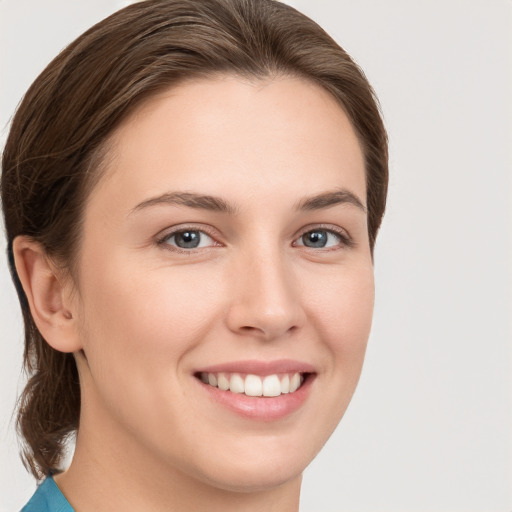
261	408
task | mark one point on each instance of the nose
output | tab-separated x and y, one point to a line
266	299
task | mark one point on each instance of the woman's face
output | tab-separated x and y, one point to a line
227	241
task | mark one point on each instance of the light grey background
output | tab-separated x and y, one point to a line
430	427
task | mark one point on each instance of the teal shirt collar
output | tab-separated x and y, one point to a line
48	498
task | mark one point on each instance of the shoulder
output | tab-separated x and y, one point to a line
48	498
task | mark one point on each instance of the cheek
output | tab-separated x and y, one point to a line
139	327
143	324
344	311
148	312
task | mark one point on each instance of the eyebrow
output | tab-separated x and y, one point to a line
199	201
217	204
331	198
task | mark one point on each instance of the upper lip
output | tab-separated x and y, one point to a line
260	367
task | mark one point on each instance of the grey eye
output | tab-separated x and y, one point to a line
189	239
319	239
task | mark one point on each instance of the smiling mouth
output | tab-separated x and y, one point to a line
254	385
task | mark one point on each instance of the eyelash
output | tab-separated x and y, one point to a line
345	241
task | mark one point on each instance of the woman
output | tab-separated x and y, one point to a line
191	193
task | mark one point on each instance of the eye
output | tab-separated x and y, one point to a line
322	239
188	239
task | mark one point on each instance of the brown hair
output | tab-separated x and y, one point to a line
59	133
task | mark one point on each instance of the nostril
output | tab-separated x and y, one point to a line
248	328
270	332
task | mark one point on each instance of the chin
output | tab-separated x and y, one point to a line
252	478
254	465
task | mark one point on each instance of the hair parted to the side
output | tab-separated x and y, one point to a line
59	135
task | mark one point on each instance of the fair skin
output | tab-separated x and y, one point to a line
280	281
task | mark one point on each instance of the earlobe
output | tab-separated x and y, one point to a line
47	295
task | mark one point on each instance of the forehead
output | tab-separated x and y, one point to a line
228	134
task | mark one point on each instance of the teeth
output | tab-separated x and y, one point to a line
236	384
294	382
285	384
254	385
223	382
271	386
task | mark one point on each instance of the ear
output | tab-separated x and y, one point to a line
48	296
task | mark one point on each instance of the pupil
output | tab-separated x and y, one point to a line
315	239
187	239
